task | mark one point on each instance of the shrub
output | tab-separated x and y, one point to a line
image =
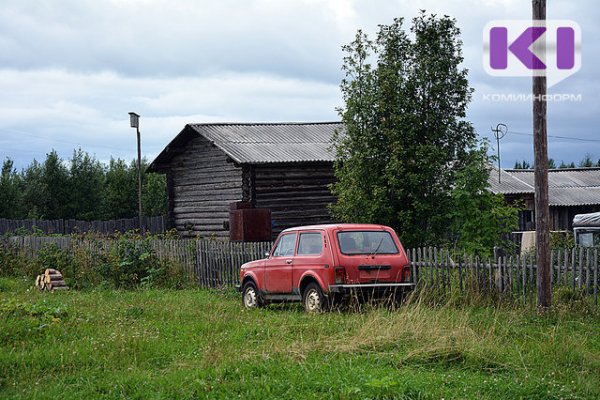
52	256
126	261
12	263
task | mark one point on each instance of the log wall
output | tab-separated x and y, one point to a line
202	182
297	194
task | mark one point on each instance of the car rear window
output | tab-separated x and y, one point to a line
366	242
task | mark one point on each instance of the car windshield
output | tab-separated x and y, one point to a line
366	242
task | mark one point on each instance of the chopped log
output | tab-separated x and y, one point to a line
51	280
41	283
53	277
60	288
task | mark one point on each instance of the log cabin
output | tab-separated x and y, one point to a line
288	167
284	167
571	191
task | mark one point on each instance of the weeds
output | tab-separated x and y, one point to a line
203	344
128	262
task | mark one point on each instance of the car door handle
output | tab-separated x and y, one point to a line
288	261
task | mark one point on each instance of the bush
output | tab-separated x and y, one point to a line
126	262
130	262
11	262
52	256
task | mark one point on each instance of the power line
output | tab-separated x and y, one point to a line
557	137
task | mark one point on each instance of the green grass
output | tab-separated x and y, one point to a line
151	344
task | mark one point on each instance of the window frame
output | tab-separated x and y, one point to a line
337	235
279	242
320	253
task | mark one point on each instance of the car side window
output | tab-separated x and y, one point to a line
286	245
310	244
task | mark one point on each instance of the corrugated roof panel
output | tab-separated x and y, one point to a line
567	187
273	142
574	196
577	177
261	153
525	176
507	183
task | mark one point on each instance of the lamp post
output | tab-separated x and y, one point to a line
134	120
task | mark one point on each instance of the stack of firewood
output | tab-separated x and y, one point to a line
50	281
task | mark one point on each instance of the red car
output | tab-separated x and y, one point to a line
321	264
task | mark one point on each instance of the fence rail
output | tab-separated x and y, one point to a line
216	263
153	225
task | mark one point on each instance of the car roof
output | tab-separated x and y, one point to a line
330	227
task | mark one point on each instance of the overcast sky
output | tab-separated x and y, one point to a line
71	70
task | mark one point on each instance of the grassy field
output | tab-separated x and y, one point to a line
200	344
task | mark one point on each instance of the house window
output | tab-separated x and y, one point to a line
526	220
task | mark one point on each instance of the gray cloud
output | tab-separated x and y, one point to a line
71	70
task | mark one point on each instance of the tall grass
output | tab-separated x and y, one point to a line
202	344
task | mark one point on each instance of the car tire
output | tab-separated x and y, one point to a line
313	299
251	297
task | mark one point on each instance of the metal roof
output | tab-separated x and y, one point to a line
261	143
567	187
507	183
273	142
572	177
574	196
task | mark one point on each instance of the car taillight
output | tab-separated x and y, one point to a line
406	274
340	275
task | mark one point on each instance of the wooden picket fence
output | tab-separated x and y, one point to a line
215	264
210	263
443	269
152	225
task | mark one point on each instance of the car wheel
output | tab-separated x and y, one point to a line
313	298
250	296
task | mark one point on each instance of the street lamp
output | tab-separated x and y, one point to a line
134	121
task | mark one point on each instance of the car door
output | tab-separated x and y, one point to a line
278	268
310	257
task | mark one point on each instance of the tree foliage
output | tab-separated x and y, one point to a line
86	182
406	142
80	188
10	181
586	162
478	217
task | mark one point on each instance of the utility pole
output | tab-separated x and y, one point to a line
499	133
134	120
540	148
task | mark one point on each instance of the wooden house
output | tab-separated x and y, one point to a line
288	167
284	167
571	191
